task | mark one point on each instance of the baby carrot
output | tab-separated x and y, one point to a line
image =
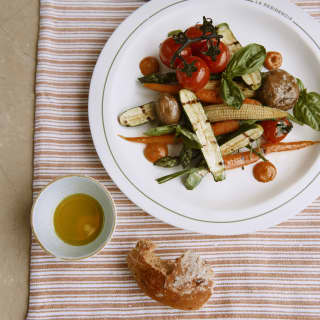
252	101
159	87
165	139
209	96
287	146
242	159
223	127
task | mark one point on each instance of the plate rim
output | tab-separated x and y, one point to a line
198	227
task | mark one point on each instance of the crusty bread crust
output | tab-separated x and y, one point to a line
185	283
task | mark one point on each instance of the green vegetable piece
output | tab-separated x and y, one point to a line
174	175
186	156
246	60
162	78
187	133
160	131
191	143
307	109
174	33
167	162
231	94
215	76
193	179
300	84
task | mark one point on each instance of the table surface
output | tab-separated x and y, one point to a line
18	38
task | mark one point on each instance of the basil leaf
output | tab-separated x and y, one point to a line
246	60
231	93
307	109
300	84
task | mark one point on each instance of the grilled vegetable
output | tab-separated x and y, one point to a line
221	112
175	175
203	130
241	138
161	130
236	141
238	160
140	115
253	79
194	178
137	116
162	78
186	156
229	39
167	162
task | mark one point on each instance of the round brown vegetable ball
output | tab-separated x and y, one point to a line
279	90
168	109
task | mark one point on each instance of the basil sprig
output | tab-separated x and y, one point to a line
307	109
247	60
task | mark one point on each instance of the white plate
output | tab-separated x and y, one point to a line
239	204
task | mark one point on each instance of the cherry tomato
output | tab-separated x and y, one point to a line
168	48
149	65
195	32
155	151
276	130
264	171
197	79
221	60
273	60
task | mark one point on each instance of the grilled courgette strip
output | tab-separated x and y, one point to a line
201	126
241	139
138	115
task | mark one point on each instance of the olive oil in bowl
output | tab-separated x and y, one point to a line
78	219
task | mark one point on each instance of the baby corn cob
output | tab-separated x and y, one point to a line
221	112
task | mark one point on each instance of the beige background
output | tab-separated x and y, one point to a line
18	37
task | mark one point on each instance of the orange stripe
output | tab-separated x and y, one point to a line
78	85
68	62
108	19
94	8
68	51
73	40
62	118
60	73
77	29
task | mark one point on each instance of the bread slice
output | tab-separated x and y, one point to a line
185	283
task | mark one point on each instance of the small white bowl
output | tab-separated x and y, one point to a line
46	203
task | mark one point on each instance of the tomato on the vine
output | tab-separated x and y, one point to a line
221	60
193	73
276	130
168	48
192	33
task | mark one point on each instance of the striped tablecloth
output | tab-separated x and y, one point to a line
267	275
